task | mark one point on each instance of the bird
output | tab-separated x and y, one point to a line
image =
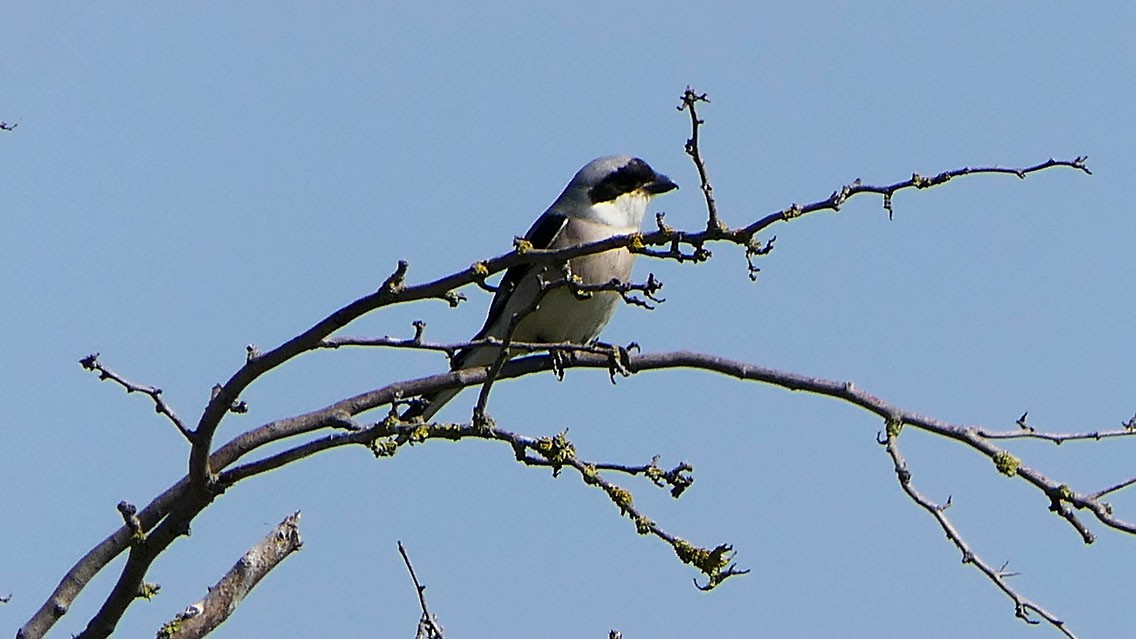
607	197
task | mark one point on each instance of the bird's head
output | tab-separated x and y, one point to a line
615	190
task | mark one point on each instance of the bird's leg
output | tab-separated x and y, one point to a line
560	359
618	358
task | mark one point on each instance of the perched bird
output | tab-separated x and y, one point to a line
607	197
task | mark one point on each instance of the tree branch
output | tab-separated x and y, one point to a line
1022	606
332	416
428	626
395	290
150	531
689	100
335	416
200	618
843	194
91	362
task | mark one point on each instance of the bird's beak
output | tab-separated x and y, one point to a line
661	184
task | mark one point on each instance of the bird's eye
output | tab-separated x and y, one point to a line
626	179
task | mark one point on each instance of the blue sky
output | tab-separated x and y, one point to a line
186	180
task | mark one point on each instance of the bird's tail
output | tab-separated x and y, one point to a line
432	403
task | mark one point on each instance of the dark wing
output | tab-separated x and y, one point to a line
542	234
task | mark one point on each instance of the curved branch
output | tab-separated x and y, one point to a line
337	414
194	492
334	416
395	290
1022	606
91	362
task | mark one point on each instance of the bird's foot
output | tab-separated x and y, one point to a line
560	360
618	358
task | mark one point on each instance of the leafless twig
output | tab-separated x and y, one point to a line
451	348
130	516
690	99
1022	606
168	516
1056	438
428	626
333	415
843	194
91	362
554	452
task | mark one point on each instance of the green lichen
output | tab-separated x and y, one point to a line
621	498
1006	463
894	427
712	563
643	525
590	475
655	474
383	448
170	628
556	449
148	591
419	434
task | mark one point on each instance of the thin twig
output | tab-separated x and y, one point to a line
333	416
843	194
453	347
428	626
689	99
556	452
1022	606
1056	438
480	415
395	290
171	512
1114	488
91	362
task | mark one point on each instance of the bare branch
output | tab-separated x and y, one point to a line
840	196
689	100
334	416
169	515
1056	438
395	290
130	516
451	348
428	626
480	415
556	452
200	618
626	290
131	585
1022	606
1114	488
91	362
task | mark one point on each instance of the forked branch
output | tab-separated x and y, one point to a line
149	531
